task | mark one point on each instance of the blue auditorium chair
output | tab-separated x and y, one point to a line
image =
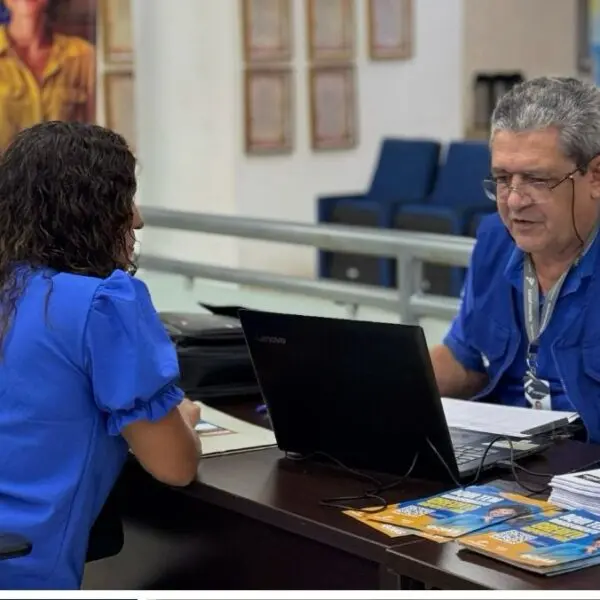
476	220
405	172
457	198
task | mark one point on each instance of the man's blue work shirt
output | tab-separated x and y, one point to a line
84	358
509	389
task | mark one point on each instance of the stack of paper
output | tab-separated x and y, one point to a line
577	490
512	421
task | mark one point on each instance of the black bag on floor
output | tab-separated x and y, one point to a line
213	358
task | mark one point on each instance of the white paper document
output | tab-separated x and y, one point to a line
503	420
577	490
221	433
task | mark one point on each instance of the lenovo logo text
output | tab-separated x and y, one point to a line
271	339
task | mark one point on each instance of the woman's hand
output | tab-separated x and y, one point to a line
190	412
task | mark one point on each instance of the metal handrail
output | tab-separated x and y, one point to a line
429	247
420	305
410	249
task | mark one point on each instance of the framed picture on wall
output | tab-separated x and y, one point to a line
118	31
390	29
330	26
76	17
268	111
267	30
333	108
585	9
118	89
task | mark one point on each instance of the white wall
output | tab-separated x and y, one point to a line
186	99
538	37
419	97
189	119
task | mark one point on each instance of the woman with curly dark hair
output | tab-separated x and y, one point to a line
86	368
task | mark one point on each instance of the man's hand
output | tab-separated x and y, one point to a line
190	412
453	380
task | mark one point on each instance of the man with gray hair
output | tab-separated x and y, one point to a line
528	330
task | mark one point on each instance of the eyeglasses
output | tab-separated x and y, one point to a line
538	190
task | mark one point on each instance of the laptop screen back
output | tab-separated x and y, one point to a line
363	393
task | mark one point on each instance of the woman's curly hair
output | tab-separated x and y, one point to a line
66	204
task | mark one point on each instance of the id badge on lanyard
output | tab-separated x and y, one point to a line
537	390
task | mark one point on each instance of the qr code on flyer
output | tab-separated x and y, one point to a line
513	536
414	511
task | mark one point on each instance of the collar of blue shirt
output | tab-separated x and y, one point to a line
584	268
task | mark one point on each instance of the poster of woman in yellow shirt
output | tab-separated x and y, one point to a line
45	75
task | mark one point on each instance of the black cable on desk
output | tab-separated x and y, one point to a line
512	464
375	493
514	467
354	472
371	495
481	466
548	475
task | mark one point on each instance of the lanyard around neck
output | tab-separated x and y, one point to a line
531	294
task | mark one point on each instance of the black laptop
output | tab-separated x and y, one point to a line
363	394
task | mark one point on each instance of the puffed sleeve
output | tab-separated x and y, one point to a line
130	359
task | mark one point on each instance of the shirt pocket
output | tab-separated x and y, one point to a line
12	89
591	361
584	386
15	101
15	108
67	104
491	340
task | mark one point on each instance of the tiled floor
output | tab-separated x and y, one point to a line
175	293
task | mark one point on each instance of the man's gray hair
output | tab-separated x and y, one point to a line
570	105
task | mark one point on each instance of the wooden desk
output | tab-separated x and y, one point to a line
250	522
426	565
445	567
253	521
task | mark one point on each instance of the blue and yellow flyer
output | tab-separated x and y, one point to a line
545	543
461	511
